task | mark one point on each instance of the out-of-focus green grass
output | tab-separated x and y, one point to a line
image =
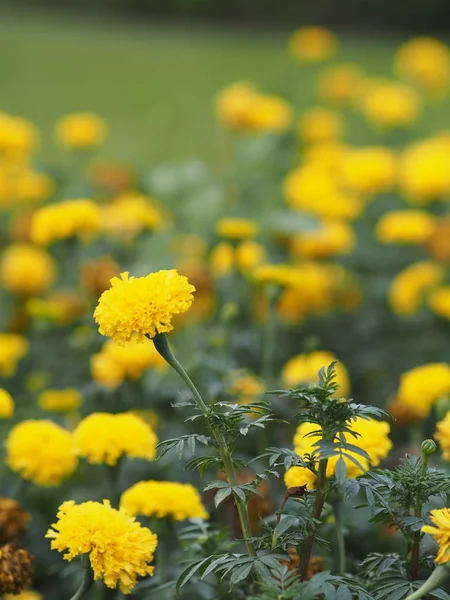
154	83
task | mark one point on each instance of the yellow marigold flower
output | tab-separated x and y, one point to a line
236	228
41	451
270	113
115	363
17	136
26	595
368	171
297	476
81	131
441	533
438	245
13	347
6	404
313	190
142	306
162	499
405	227
422	386
61	307
409	287
424	61
313	44
331	238
64	220
304	369
27	269
249	255
439	301
222	259
32	186
129	215
60	400
320	125
443	434
120	550
104	438
388	104
325	155
339	84
424	174
245	387
275	274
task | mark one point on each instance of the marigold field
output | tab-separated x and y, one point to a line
206	395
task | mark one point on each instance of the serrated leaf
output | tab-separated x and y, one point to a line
237	491
221	495
240	573
179	449
189	572
340	470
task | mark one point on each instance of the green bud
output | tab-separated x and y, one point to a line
428	447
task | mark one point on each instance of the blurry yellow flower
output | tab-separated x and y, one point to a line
320	125
222	259
368	170
6	404
26	595
115	363
303	369
312	189
409	287
41	451
275	274
142	306
96	274
13	347
130	214
188	245
61	307
313	44
18	136
439	301
405	227
64	220
81	131
425	62
441	533
388	104
438	245
339	84
424	174
422	386
236	228
331	238
105	437
26	269
245	387
297	476
163	499
60	400
120	550
325	155
32	186
249	255
443	434
271	113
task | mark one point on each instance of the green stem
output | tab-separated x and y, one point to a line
337	510
434	581
163	348
319	501
87	581
270	337
415	549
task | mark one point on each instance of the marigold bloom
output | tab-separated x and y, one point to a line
236	228
115	363
41	451
246	388
388	104
26	269
441	533
26	595
439	301
18	137
405	227
13	520
319	124
275	274
438	245
6	404
81	131
120	550
96	274
304	369
129	215
249	255
105	437
331	238
15	569
442	434
142	306
424	61
409	287
422	386
13	347
162	499
60	400
222	259
64	220
61	307
313	44
339	84
368	171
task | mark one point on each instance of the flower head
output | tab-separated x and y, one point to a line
13	347
105	437
389	104
142	306
331	238
339	84
424	61
15	569
422	386
81	131
405	227
6	404
120	550
130	214
27	269
13	520
312	44
161	499
63	220
439	301
304	369
368	170
236	228
441	533
320	125
41	451
60	400
409	287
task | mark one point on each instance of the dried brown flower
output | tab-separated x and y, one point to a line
15	569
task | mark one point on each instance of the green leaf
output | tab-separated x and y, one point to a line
221	495
341	470
187	574
240	573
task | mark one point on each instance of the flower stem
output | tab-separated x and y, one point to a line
415	549
87	581
434	581
337	510
163	348
269	337
319	501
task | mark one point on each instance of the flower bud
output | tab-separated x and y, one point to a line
15	569
428	447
